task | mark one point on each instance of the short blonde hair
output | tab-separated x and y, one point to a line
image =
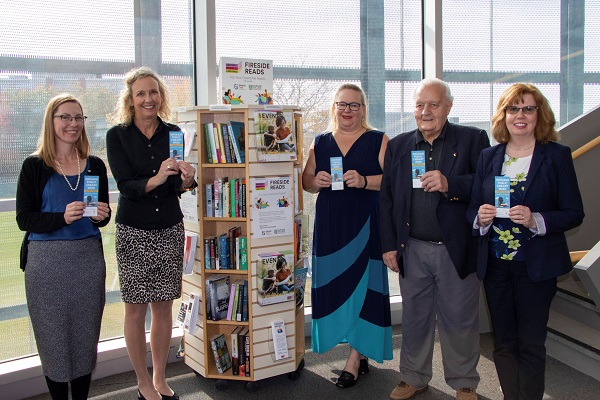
46	148
544	129
332	118
124	110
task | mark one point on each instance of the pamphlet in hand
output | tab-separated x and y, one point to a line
91	185
176	145
502	195
337	173
417	158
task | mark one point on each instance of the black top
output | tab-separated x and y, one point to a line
133	160
32	179
424	204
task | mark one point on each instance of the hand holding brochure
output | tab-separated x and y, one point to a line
417	167
337	173
91	185
502	195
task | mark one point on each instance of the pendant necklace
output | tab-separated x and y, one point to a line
78	173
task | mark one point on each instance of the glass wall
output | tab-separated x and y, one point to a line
82	48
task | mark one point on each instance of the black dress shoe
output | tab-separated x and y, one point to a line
346	380
364	366
165	397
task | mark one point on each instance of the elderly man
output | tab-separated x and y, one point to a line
425	238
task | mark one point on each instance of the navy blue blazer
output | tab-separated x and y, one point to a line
551	190
458	160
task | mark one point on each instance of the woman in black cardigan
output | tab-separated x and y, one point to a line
62	251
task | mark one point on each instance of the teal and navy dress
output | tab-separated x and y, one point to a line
350	292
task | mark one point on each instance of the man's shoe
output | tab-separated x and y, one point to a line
364	366
404	391
346	380
466	394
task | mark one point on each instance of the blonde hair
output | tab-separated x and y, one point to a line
124	110
544	131
332	115
46	148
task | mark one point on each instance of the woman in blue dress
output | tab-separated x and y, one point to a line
350	293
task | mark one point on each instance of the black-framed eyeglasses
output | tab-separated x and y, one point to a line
342	105
66	118
526	110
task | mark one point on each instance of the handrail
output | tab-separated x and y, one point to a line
576	256
586	147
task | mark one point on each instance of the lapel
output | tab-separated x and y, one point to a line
536	162
498	159
449	151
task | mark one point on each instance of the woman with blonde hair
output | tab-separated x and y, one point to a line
62	253
149	232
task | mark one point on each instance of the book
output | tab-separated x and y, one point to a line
211	149
189	252
240	304
238	133
219	296
192	312
223	252
209	200
247	352
279	340
225	196
232	198
236	296
243	252
180	319
243	198
245	81
221	144
91	186
232	235
275	140
242	350
502	195
216	197
176	145
218	343
275	277
207	264
417	159
300	273
231	299
224	132
245	302
337	173
235	366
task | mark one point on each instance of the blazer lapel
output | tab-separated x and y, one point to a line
499	159
449	151
536	162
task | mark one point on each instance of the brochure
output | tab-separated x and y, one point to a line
91	185
502	195
337	173
417	158
176	145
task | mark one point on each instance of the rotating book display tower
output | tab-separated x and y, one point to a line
240	172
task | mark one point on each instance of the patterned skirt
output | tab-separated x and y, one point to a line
150	263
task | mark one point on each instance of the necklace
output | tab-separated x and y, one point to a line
78	173
527	148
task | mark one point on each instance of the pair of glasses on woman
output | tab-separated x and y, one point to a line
66	118
526	110
342	105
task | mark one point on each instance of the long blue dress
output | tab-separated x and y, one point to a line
350	292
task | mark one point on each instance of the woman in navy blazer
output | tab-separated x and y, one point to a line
521	254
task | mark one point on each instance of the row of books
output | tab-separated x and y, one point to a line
226	251
239	358
225	142
226	300
226	197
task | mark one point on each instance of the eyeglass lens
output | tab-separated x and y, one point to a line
341	105
67	118
526	109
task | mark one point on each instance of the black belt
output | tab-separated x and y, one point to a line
430	241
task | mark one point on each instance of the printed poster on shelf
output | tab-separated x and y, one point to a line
245	81
189	201
271	207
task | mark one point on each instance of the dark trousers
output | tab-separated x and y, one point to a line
519	311
79	388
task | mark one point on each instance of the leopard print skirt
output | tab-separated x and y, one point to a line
150	263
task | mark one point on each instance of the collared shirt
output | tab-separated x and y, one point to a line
424	224
133	160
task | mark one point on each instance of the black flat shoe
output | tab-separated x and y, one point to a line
165	397
140	396
364	366
346	380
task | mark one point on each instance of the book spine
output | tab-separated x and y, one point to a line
213	345
207	253
223	250
242	352
245	304
236	150
207	135
234	352
243	253
225	197
208	192
247	350
232	201
221	144
230	250
231	298
216	203
240	305
243	198
225	135
208	299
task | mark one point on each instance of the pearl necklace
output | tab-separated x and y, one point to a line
78	172
527	148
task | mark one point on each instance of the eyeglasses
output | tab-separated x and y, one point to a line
341	105
526	110
66	118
